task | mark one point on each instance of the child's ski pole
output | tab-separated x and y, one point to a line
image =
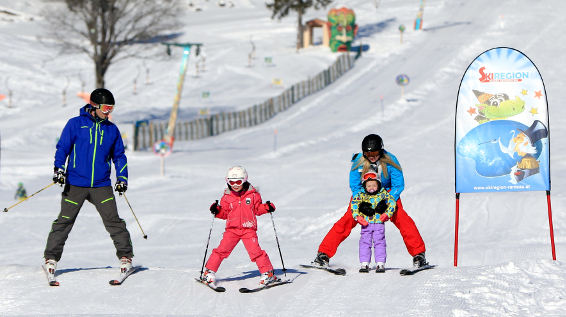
205	252
276	239
21	201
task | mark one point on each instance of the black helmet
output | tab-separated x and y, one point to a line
102	96
372	143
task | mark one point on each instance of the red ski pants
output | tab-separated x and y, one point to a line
230	240
342	228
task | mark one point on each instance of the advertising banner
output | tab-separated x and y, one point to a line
502	137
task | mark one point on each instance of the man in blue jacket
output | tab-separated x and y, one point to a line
82	165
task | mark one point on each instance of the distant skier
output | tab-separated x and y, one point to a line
87	145
239	206
371	209
21	192
374	157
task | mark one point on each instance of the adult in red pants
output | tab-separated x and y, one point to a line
374	157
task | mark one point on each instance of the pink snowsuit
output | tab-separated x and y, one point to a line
240	209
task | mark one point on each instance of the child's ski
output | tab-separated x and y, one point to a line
338	271
413	271
122	277
261	288
218	289
50	277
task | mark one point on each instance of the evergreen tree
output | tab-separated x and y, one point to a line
281	8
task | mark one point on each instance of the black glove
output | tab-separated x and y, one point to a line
270	206
215	208
59	176
365	208
381	207
121	187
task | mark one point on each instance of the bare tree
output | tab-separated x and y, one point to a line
281	8
110	30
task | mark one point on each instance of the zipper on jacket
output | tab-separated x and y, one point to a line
101	136
94	154
74	154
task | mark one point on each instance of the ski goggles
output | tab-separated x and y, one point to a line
105	108
373	153
369	175
236	182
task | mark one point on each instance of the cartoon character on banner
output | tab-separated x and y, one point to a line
493	145
496	106
342	27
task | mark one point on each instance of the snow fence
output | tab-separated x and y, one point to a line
145	135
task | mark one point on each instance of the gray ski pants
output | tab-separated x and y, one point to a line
72	200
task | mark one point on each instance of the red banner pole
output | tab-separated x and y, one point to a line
456	229
550	225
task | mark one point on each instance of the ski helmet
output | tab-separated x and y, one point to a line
236	173
102	96
372	143
371	176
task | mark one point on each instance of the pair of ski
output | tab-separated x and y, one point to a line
53	282
221	289
340	271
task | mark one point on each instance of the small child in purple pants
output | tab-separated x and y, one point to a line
371	209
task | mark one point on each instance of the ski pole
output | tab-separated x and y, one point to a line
276	239
205	252
144	235
21	201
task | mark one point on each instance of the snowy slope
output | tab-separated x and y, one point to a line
505	264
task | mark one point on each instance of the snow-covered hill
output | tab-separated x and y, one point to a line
505	264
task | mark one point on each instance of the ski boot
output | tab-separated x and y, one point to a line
125	265
268	278
380	267
419	260
209	277
321	260
365	267
50	266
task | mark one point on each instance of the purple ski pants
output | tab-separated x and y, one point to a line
375	232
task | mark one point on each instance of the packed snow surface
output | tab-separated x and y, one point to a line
505	265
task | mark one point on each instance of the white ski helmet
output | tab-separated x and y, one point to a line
235	173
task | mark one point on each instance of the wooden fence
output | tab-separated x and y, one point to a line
145	135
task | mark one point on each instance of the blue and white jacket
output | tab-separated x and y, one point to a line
395	183
89	145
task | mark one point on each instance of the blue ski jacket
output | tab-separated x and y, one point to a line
89	144
395	182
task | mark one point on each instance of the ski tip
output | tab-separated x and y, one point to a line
54	283
115	282
220	289
340	272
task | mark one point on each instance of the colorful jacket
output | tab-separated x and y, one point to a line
394	183
373	200
86	147
240	209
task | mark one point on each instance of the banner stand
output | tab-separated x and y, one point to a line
549	224
456	229
502	132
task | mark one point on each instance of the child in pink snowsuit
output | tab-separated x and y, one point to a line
239	206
